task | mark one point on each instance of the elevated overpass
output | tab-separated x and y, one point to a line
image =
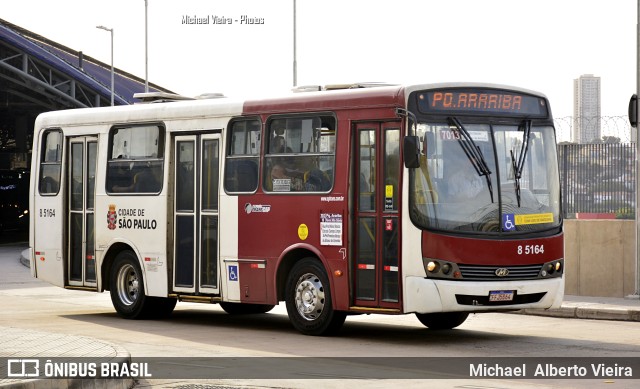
39	75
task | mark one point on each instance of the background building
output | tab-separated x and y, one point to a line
586	109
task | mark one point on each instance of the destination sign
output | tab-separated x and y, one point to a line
481	101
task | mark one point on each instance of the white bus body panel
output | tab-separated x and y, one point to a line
46	226
47	259
141	222
230	282
47	234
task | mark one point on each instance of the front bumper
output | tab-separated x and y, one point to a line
423	295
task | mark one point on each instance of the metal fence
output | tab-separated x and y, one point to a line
598	178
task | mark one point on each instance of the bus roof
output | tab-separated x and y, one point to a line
374	96
175	110
328	100
325	100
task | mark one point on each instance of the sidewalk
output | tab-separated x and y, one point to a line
598	308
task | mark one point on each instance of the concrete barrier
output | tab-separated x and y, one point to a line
600	257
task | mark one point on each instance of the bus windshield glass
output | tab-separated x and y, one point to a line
479	177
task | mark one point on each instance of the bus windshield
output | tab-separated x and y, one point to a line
485	178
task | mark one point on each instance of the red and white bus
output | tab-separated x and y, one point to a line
438	200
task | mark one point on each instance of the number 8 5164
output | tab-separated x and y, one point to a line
530	249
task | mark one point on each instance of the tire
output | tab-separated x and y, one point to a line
245	309
308	300
442	321
160	307
126	287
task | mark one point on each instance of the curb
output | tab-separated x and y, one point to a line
587	311
62	383
24	258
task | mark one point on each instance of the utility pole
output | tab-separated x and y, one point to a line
146	52
295	60
637	292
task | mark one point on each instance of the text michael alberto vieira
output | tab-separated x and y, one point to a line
215	19
549	370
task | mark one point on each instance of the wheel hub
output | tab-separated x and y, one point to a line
309	296
128	285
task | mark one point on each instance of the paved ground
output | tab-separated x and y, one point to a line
23	347
22	344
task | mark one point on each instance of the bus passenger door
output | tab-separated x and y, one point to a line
81	182
195	219
377	211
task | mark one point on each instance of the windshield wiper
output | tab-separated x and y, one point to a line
473	153
518	167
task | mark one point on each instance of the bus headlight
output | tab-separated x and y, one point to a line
437	268
551	269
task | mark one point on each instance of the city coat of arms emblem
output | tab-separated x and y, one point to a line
112	217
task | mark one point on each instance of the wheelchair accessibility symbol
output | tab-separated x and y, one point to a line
233	272
508	222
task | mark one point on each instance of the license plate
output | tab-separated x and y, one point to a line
501	295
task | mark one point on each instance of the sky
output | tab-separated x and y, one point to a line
541	45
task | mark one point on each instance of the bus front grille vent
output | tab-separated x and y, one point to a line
495	273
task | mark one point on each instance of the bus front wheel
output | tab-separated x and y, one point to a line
127	291
442	320
308	300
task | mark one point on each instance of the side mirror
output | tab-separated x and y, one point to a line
633	111
411	152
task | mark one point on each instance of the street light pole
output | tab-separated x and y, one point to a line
112	72
146	52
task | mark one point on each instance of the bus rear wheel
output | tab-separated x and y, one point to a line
245	309
442	320
308	300
128	296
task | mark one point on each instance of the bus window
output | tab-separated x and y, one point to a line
243	151
50	162
301	154
135	160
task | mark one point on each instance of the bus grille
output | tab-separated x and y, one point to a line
488	273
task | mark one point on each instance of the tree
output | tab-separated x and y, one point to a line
610	139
